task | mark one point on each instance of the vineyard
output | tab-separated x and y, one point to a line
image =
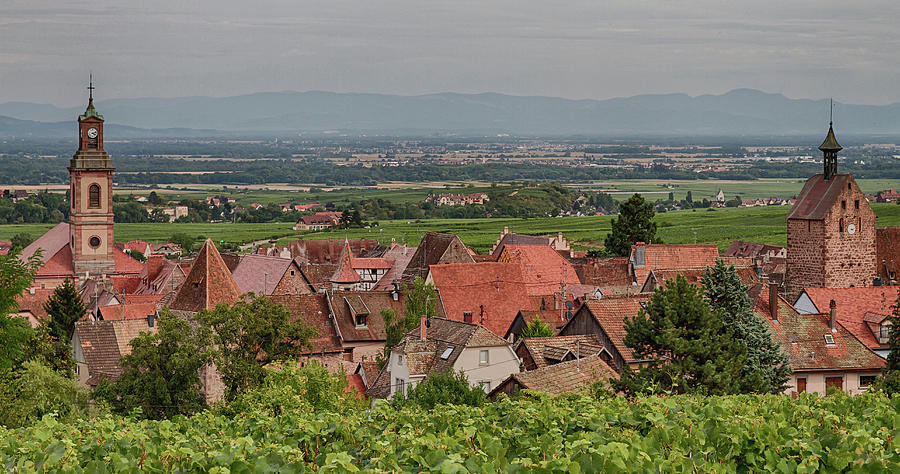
564	434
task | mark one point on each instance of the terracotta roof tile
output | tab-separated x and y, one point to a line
852	306
347	304
550	350
208	284
665	256
604	272
355	386
542	268
802	336
103	342
610	312
34	303
431	252
887	243
51	242
400	256
126	311
313	310
818	196
344	273
570	376
260	274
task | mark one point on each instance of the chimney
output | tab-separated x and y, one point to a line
773	300
423	329
832	312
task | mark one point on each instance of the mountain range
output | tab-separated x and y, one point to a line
741	112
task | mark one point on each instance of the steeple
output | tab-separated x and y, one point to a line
830	149
90	111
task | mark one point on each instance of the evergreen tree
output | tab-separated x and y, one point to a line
689	349
890	380
537	328
634	224
21	240
64	308
767	368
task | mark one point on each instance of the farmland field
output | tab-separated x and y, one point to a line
718	226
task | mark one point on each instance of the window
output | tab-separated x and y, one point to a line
856	203
400	359
801	384
292	273
841	225
483	357
401	386
94	196
829	340
446	354
486	386
843	204
866	380
884	332
467	316
361	320
94	242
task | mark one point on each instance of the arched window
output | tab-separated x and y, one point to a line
94	196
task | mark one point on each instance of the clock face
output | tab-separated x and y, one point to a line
851	229
92	133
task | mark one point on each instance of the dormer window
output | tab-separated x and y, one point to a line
361	320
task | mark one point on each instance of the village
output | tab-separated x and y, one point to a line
826	298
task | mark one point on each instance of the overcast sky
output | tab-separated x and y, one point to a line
575	48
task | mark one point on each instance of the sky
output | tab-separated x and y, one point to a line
574	49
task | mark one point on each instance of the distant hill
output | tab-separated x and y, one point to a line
17	128
740	112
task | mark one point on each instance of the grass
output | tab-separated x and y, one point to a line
719	227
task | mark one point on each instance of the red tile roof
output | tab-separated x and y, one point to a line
103	342
802	337
313	310
356	386
604	272
818	197
887	243
663	256
610	312
34	303
347	304
209	283
51	242
542	268
125	284
550	350
259	273
379	263
570	376
852	306
401	255
493	292
126	311
344	273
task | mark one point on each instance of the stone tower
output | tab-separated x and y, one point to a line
90	203
830	231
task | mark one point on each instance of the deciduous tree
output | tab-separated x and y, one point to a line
890	380
420	301
248	336
161	375
537	328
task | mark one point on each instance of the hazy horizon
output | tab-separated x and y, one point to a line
577	50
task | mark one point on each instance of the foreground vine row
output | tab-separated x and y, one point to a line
563	434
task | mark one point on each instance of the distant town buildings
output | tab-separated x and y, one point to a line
447	199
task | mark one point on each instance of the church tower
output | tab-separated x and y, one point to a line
90	203
831	231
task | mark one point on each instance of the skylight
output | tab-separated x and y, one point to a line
447	352
829	340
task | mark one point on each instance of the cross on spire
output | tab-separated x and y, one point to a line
91	87
831	116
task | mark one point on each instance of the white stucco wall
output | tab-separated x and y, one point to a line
502	361
815	382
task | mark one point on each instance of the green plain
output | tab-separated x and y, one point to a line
718	226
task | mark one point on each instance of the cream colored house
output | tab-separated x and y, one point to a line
440	344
